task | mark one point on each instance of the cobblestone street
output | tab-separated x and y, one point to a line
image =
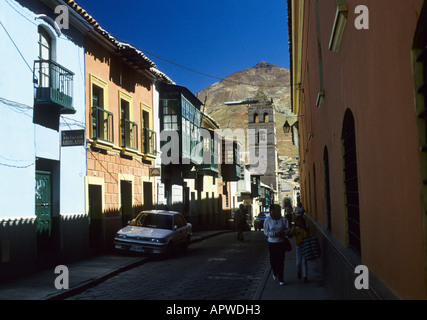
216	268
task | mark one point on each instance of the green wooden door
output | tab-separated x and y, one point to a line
44	202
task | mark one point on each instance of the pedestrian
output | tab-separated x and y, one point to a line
299	210
240	221
300	232
288	212
276	228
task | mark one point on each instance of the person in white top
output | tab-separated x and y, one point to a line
276	228
299	209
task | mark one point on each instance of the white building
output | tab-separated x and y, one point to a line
42	123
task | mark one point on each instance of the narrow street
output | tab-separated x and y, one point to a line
125	129
218	268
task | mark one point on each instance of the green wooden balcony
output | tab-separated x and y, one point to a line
54	86
209	167
255	186
180	112
210	155
148	142
231	167
102	125
129	133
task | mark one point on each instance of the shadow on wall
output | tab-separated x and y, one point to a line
23	249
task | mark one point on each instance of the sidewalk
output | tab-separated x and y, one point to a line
86	273
294	288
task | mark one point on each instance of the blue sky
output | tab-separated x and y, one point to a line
214	37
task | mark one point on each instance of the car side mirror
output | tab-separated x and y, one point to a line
175	227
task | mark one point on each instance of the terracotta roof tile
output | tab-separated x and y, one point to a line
129	53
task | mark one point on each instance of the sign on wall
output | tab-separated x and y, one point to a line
72	138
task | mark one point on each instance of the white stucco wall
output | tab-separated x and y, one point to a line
21	141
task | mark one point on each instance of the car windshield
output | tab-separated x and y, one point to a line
150	220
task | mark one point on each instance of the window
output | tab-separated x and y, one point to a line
229	153
351	182
53	84
148	134
419	51
102	120
315	191
266	119
97	96
341	17
45	54
170	118
128	129
236	149
321	95
262	136
327	187
179	221
420	74
196	139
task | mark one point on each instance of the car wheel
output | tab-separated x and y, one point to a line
169	249
186	244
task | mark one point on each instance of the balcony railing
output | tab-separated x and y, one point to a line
102	125
54	85
129	134
148	141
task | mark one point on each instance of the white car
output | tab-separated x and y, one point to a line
154	231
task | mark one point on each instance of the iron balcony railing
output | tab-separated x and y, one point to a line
54	85
129	134
102	124
148	141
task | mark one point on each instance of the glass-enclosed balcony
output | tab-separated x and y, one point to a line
102	125
265	197
231	167
54	86
255	186
180	112
211	147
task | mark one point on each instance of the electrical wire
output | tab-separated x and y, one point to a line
17	167
4	28
202	73
164	59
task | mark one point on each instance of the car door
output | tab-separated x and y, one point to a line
180	232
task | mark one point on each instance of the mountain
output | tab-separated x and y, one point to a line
264	79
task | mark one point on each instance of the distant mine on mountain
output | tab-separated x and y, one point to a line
263	81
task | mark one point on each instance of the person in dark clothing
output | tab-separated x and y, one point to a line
240	221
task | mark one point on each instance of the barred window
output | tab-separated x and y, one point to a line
419	51
351	182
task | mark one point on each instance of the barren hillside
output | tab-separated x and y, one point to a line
271	80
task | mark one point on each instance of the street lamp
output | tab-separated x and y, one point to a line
286	127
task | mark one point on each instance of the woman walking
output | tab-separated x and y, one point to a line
276	228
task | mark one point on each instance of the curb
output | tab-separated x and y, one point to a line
201	238
263	282
95	281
